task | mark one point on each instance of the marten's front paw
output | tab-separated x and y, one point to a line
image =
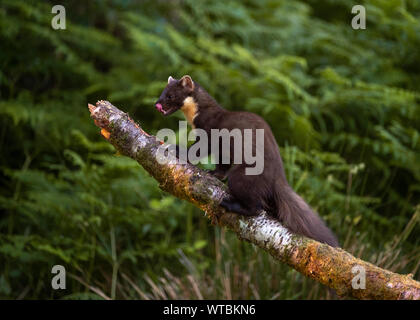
218	174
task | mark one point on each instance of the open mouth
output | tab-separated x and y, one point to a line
164	112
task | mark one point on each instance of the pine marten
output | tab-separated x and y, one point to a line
250	194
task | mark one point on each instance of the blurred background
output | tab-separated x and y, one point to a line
343	104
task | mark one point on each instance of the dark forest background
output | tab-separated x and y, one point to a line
343	104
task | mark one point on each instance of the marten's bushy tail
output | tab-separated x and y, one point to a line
296	215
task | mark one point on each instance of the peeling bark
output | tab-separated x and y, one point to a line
327	265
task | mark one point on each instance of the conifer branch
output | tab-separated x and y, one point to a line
327	265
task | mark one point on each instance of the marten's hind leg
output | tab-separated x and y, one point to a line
244	197
232	205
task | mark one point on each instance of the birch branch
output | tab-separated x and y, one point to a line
327	265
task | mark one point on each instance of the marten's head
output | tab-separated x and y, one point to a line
176	95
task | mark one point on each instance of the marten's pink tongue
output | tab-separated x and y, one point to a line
159	107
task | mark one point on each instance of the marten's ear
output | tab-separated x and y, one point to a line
187	82
170	79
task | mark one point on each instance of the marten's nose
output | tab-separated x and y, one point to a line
159	107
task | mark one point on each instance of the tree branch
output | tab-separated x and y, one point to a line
327	265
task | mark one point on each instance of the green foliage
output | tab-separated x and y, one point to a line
344	106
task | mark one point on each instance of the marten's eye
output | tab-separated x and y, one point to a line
169	97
